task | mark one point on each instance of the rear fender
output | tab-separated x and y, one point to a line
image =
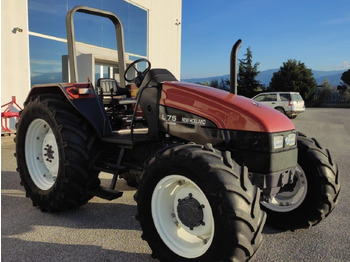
83	98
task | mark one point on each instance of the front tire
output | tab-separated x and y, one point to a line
314	193
53	149
196	204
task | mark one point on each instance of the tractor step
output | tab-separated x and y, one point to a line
128	140
113	169
106	193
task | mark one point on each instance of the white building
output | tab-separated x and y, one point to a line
33	39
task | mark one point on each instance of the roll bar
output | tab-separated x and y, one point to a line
72	53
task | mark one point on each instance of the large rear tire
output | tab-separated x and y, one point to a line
314	193
196	204
53	149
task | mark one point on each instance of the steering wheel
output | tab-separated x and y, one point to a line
140	75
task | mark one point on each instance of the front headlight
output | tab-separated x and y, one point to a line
278	142
290	140
286	140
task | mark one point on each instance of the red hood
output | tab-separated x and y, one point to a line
226	110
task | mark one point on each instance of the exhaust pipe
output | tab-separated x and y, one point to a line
233	66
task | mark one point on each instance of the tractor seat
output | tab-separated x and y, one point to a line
109	90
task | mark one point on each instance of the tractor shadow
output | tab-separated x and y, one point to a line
98	231
13	249
96	214
268	230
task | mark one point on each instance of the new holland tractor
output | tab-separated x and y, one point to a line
210	166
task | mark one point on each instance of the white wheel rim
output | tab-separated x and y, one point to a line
288	201
41	154
181	239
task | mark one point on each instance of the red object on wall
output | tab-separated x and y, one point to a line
6	114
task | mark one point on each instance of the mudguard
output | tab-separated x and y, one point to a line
84	99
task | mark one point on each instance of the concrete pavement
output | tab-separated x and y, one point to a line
107	231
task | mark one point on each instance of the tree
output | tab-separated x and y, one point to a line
342	87
345	77
224	84
247	84
214	83
327	86
294	76
326	91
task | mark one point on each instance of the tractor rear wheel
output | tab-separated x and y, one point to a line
314	193
53	150
281	110
196	204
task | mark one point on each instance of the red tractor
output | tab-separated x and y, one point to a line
210	165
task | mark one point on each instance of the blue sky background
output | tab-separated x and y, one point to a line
315	32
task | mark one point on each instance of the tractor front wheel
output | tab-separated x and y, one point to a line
196	204
313	194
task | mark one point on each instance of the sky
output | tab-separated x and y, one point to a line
314	32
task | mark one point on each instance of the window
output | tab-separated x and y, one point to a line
271	98
260	98
48	33
285	97
46	63
297	97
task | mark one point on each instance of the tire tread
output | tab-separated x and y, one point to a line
75	136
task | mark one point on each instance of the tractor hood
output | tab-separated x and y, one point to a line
226	110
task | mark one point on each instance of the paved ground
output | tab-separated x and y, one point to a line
107	231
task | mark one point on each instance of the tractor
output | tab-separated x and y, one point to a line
210	166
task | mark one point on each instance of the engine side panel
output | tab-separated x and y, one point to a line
188	127
252	149
225	110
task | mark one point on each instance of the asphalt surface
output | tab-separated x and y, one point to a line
107	231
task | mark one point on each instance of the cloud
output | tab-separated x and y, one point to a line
345	65
45	62
47	7
338	21
41	66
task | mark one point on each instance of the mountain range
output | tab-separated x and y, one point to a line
265	77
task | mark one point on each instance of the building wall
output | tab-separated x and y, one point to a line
164	33
15	72
163	43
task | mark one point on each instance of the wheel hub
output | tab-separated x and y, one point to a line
190	212
290	196
182	216
49	153
41	152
